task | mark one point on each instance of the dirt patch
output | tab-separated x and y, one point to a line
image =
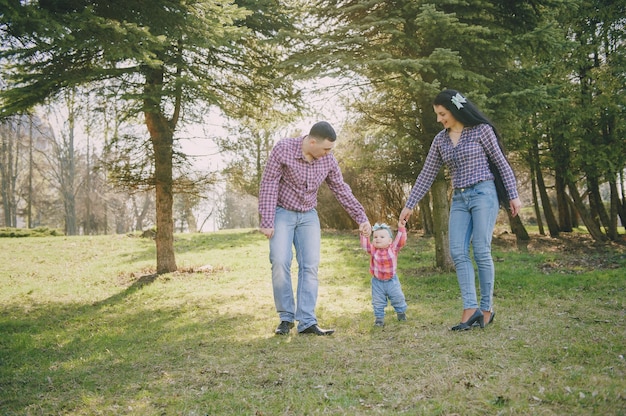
573	252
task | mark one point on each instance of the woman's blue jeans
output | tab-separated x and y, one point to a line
472	219
302	231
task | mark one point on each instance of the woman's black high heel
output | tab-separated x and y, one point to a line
476	317
493	315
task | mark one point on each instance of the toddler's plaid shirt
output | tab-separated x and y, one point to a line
384	261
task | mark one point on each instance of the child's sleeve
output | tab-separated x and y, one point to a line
365	242
400	240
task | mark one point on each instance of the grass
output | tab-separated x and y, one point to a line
87	329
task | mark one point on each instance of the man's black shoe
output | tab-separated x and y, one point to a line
284	327
314	329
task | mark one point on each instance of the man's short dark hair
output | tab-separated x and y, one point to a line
323	130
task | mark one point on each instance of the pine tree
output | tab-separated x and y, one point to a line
168	57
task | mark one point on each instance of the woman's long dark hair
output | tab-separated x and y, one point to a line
469	115
461	108
464	110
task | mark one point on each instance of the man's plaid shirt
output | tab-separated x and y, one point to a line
291	182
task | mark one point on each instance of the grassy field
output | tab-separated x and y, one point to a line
87	329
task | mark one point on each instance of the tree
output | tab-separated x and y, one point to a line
570	109
239	210
407	51
248	146
11	134
62	159
598	29
167	56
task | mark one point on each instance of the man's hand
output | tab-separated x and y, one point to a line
268	232
365	228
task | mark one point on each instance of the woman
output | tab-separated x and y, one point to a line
465	145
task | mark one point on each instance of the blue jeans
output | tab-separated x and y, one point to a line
387	289
302	231
472	220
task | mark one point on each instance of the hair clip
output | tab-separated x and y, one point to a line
382	226
458	100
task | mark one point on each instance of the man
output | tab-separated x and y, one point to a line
287	199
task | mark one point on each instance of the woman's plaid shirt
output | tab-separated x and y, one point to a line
467	162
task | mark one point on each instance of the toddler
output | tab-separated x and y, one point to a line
383	250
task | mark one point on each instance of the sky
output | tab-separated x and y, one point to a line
324	97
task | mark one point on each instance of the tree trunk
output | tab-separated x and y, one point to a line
69	203
592	226
162	143
441	213
68	171
140	215
534	167
522	237
29	209
162	137
551	221
4	173
599	210
561	156
566	217
614	210
426	215
622	204
553	227
14	170
536	202
619	204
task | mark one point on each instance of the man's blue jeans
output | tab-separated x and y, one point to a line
472	219
302	231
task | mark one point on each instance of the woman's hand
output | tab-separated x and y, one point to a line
405	215
515	205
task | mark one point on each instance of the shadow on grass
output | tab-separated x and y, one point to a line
56	358
216	241
123	352
137	285
197	243
159	357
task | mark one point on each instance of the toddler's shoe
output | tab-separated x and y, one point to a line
379	322
401	316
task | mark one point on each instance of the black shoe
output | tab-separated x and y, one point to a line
284	327
476	317
314	329
379	322
493	315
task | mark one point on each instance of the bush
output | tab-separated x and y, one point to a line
29	232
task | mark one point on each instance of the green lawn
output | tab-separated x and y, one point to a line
86	329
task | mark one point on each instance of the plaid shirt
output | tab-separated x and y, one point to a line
291	182
467	162
384	261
